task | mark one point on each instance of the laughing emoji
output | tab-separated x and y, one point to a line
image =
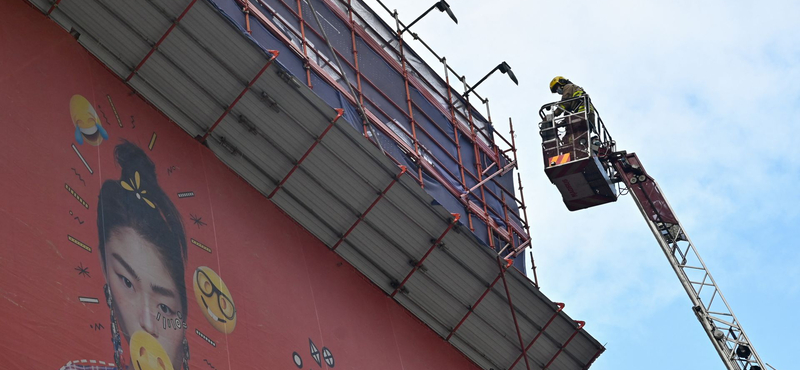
214	299
87	124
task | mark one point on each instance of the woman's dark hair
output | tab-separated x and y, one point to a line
159	223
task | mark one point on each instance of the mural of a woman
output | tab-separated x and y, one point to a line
143	254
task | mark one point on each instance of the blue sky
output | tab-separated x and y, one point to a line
707	93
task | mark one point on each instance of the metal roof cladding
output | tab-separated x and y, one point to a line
269	129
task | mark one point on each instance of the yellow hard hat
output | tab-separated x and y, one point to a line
555	82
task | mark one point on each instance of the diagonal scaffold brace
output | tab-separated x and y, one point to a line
500	172
475	305
339	114
560	349
273	56
436	242
555	314
160	40
53	7
403	170
522	347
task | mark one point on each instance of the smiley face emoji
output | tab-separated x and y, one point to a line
87	124
147	353
214	299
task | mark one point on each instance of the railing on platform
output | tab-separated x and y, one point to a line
579	134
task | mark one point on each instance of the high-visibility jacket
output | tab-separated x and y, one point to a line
575	106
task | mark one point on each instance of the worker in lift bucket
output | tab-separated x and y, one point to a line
579	122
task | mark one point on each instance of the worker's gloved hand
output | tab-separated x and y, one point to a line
548	116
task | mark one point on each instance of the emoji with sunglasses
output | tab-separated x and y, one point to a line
214	299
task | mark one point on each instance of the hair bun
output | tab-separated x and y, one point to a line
132	159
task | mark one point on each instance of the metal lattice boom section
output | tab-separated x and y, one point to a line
709	305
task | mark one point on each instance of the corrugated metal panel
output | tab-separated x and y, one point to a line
107	28
43	5
201	68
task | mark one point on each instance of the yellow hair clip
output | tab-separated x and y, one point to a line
135	186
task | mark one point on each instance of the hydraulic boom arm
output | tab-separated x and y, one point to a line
709	305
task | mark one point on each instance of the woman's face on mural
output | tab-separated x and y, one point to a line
143	290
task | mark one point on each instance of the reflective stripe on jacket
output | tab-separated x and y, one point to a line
573	91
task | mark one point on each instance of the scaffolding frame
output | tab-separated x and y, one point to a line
477	137
475	200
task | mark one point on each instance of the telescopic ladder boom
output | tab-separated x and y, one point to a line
708	303
582	160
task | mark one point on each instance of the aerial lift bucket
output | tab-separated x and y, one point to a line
574	156
583	183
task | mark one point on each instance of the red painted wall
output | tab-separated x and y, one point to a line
283	287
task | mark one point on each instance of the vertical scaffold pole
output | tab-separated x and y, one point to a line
480	179
334	53
506	219
246	11
522	197
527	226
478	167
523	206
417	152
497	162
306	62
456	132
355	60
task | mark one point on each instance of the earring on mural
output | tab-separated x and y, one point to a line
185	353
115	339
